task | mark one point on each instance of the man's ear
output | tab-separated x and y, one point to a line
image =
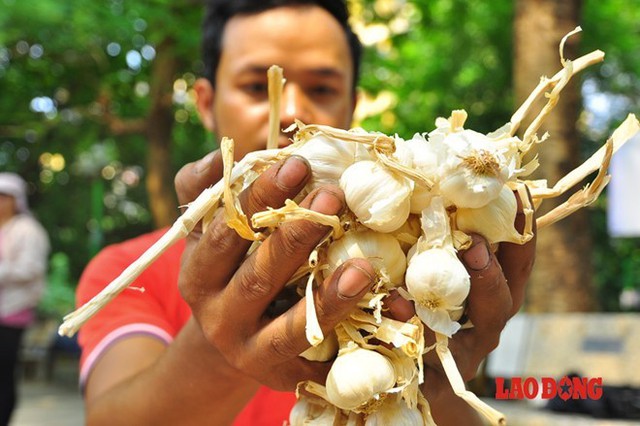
204	103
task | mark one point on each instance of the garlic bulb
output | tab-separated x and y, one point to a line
395	412
494	221
439	284
325	351
382	250
357	377
436	280
310	413
328	158
473	168
379	198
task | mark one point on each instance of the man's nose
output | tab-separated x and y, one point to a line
294	106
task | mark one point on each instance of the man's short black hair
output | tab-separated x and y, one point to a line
219	12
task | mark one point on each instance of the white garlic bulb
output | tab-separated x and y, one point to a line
396	412
328	158
494	221
382	250
379	198
436	279
311	413
439	284
473	168
358	376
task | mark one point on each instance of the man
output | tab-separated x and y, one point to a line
151	358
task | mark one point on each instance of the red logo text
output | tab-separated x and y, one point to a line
548	387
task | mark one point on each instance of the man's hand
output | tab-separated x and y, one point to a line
497	292
229	292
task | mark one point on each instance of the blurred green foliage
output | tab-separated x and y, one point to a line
65	67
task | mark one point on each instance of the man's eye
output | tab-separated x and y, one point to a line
323	90
256	88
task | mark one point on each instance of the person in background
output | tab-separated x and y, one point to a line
201	345
24	251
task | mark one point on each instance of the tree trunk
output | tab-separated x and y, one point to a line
159	126
561	279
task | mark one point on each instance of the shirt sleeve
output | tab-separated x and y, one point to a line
267	408
147	306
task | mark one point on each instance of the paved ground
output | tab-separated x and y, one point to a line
526	414
58	403
54	402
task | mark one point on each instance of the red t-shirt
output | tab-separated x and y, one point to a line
158	311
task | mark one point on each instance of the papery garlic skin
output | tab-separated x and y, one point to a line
439	285
394	411
382	250
309	413
325	351
357	376
494	221
379	198
474	168
408	234
328	157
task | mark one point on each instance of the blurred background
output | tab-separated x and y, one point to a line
97	114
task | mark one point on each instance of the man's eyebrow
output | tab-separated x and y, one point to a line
326	72
254	69
261	70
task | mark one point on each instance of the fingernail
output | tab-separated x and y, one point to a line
477	257
204	163
353	281
292	173
326	202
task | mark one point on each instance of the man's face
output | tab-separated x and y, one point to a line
310	46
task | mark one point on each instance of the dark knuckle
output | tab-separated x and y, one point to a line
282	345
218	237
254	288
296	239
256	200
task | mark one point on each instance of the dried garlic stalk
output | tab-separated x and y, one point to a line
411	206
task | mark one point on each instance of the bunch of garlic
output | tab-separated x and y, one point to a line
411	205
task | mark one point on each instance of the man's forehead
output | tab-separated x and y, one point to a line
287	33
